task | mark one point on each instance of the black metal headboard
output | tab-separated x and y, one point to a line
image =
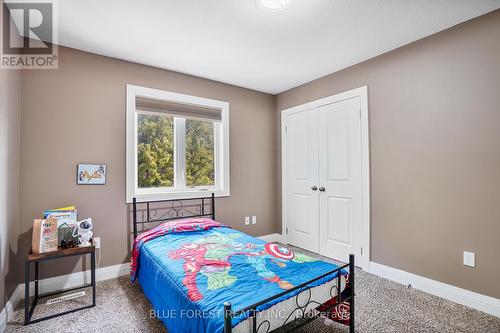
153	212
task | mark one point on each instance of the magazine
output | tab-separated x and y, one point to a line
67	218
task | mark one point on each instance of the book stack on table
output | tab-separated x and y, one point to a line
56	229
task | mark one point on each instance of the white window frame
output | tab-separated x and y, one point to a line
221	144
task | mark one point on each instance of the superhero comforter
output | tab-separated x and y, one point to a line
189	268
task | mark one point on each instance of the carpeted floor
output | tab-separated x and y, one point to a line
381	306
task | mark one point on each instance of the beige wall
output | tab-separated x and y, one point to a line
77	114
435	159
435	152
10	113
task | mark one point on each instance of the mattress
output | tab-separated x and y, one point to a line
235	271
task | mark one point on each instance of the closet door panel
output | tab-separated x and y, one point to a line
302	200
340	179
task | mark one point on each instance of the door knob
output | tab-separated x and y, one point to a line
322	189
314	187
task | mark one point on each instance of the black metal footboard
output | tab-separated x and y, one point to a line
229	314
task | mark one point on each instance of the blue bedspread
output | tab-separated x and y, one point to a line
188	276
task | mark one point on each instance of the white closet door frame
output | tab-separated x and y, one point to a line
362	93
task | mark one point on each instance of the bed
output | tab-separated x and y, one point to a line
202	276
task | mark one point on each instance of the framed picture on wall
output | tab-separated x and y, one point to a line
91	174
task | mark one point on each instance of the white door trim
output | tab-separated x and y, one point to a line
362	93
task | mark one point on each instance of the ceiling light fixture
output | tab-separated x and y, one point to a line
274	5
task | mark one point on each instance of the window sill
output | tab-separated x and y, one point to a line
143	197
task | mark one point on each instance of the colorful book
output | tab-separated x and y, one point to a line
65	208
66	218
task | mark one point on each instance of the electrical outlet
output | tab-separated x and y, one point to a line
97	242
254	219
247	220
469	259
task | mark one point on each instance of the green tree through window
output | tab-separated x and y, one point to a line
155	140
200	168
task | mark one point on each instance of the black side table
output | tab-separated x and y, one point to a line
36	259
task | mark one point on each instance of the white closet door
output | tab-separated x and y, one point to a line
302	201
340	179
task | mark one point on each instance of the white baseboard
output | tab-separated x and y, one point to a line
8	311
3	320
60	283
273	238
465	297
77	279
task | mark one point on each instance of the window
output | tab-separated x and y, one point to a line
155	151
177	145
200	153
